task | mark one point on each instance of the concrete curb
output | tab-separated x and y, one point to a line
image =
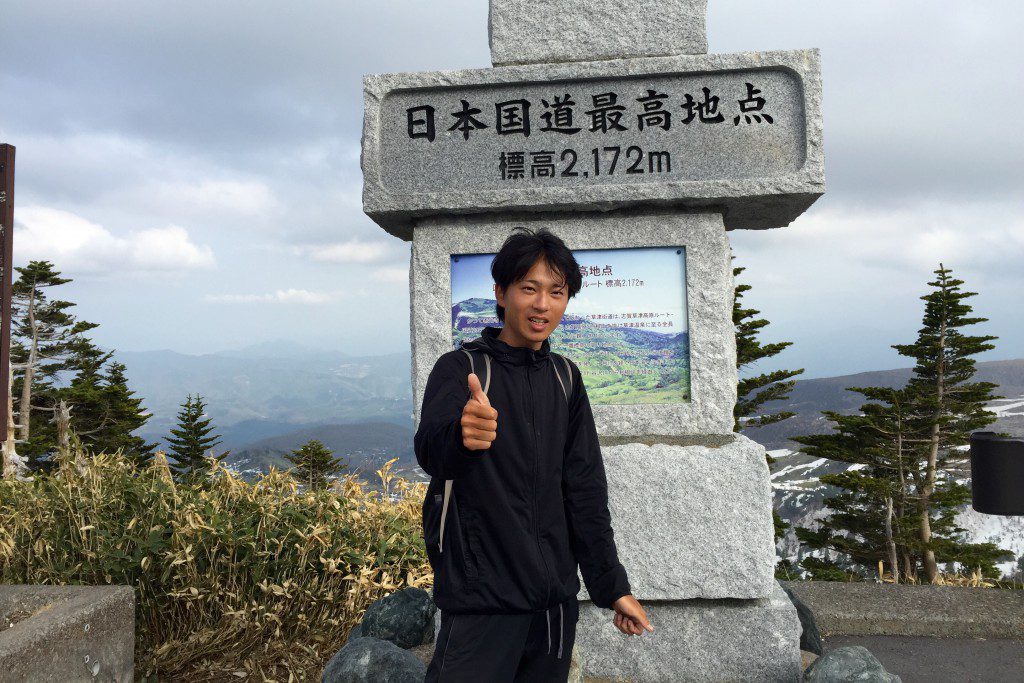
842	608
67	633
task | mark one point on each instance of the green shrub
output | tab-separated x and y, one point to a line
231	578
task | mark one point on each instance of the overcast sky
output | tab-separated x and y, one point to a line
194	166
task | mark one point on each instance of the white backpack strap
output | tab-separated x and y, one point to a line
559	375
487	364
487	379
448	482
444	513
568	370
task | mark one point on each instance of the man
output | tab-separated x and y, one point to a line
528	500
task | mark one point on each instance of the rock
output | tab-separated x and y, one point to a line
425	652
806	659
372	660
853	664
810	638
405	617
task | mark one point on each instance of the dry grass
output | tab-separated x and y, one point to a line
232	580
972	580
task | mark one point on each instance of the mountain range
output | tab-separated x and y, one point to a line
811	396
267	400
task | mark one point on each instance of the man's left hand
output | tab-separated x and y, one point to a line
630	617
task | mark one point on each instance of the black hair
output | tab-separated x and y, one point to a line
521	250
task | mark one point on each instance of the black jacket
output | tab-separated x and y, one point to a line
525	511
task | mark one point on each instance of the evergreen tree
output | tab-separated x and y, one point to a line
314	463
43	337
754	392
191	441
49	348
85	394
41	442
871	517
96	406
126	414
78	407
900	483
949	406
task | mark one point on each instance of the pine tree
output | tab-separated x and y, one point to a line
948	408
191	441
314	463
48	347
41	443
902	478
84	396
126	415
78	407
754	392
871	517
43	337
96	406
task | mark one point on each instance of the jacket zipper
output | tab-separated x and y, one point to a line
536	457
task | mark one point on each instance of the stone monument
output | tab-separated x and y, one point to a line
614	129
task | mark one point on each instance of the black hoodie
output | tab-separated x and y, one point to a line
526	510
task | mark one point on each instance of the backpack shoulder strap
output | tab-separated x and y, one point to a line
485	385
566	386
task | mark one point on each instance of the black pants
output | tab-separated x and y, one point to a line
505	648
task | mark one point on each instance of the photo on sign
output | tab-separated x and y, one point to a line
627	327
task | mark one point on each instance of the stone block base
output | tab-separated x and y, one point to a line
696	640
692	521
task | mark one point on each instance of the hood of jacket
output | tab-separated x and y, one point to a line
489	343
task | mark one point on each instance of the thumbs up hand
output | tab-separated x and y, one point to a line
477	391
479	419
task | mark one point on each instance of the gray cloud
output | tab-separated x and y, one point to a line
917	95
239	123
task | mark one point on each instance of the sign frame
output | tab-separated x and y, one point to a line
623	290
709	285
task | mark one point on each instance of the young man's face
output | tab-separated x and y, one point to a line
541	295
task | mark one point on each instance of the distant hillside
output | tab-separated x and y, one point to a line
366	446
251	395
269	399
810	397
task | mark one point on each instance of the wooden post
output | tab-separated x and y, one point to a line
6	269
